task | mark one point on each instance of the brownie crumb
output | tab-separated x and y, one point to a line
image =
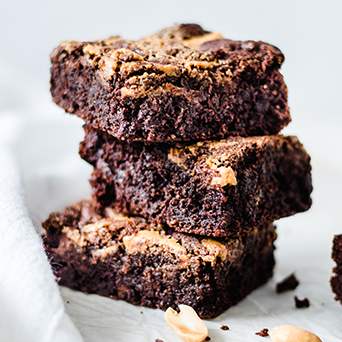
289	283
224	327
301	303
207	338
158	340
262	333
68	302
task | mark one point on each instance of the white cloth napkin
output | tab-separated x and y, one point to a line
31	308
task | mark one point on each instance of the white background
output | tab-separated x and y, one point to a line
45	141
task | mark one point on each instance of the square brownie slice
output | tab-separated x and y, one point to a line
179	84
209	188
336	280
126	258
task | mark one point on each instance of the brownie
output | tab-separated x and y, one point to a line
336	280
179	84
144	264
209	188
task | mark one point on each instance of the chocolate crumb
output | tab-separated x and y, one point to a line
301	303
207	338
158	340
262	333
224	327
289	283
68	302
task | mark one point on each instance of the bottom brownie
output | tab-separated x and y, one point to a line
336	281
126	258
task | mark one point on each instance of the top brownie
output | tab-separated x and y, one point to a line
179	84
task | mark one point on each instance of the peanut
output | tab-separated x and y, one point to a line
188	326
289	333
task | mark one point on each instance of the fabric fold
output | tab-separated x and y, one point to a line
31	308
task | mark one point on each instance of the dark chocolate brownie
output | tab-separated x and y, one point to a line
336	280
179	84
209	188
126	258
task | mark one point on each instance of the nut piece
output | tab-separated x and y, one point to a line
289	333
188	326
227	176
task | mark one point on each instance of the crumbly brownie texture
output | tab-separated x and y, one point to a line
126	258
210	188
336	280
180	84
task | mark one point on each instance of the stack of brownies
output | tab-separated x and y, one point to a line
189	170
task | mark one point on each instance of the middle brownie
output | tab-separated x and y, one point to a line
209	188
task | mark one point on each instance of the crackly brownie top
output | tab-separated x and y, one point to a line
184	49
101	236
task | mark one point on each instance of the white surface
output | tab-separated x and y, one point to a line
45	141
